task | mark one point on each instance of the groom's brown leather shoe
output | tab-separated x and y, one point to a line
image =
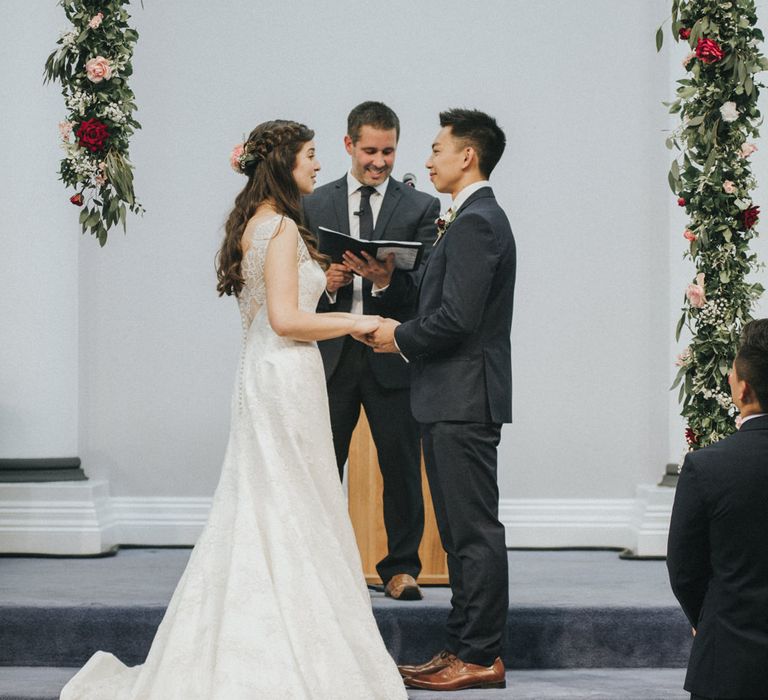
436	663
403	587
460	675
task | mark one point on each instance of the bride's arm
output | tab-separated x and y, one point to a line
281	277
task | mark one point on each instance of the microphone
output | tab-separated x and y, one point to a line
410	180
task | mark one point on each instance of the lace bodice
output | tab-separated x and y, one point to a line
253	295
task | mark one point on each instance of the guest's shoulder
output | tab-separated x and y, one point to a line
715	455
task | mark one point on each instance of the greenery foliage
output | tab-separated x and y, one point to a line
93	64
712	178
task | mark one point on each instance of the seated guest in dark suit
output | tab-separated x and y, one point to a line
717	553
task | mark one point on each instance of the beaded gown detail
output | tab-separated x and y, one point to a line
273	603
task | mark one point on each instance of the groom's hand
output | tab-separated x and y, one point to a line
383	338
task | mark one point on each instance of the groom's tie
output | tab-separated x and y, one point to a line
366	213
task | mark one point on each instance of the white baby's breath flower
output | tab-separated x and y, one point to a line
729	112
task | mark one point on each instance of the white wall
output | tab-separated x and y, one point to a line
38	249
577	86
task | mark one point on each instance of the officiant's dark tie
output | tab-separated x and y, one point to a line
366	213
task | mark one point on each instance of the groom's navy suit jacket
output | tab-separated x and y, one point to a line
459	343
717	558
405	215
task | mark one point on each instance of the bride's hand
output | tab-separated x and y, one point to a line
363	326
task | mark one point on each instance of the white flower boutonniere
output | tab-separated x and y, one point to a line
443	222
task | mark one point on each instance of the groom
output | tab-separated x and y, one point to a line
461	392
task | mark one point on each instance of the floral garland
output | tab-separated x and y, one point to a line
712	179
93	64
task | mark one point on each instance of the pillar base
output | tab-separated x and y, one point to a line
58	518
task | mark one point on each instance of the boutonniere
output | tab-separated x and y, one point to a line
443	222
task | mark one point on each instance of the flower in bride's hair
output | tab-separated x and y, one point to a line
729	112
235	156
695	292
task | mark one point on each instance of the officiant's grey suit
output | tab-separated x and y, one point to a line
380	383
461	392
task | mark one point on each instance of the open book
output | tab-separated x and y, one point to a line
333	244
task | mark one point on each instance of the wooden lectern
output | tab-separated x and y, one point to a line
365	509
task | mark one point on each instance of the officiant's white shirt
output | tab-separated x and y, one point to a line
353	205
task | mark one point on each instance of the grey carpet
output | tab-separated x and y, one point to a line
583	609
595	684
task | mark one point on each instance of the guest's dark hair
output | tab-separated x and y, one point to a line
479	130
269	160
752	359
375	114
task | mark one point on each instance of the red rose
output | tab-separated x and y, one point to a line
709	51
77	199
749	217
681	201
92	134
685	33
690	436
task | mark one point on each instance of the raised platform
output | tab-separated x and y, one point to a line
576	610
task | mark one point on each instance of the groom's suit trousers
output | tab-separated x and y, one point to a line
461	468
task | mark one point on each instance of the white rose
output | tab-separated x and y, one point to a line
729	112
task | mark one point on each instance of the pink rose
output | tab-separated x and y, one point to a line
729	187
65	129
747	149
689	235
688	59
98	69
95	22
683	357
234	157
695	292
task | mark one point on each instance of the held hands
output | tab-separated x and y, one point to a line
379	272
381	337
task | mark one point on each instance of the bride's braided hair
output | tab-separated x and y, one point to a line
267	158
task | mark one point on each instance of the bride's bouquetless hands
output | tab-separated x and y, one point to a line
363	326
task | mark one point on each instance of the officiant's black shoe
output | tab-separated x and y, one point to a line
436	663
403	587
460	675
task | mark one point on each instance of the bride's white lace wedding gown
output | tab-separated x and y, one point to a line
272	604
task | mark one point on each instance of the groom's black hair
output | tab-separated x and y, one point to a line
480	131
375	114
752	359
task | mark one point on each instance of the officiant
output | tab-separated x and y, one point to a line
368	203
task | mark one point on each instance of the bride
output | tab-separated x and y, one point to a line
272	603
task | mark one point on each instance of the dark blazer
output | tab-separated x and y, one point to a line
405	215
717	559
459	344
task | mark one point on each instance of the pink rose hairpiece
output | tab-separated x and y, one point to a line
241	157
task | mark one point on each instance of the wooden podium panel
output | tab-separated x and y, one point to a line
366	512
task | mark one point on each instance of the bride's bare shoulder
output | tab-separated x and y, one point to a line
266	224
